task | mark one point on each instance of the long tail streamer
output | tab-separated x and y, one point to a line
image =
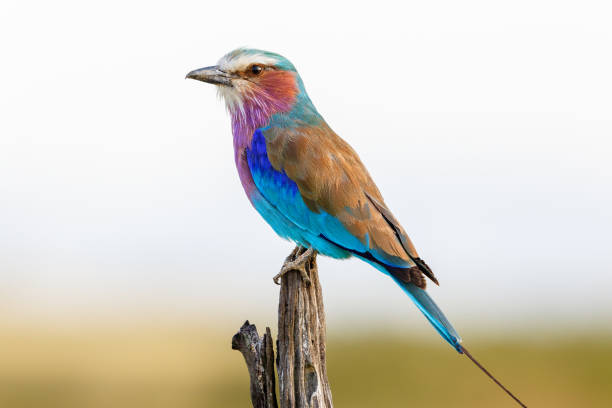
437	319
484	370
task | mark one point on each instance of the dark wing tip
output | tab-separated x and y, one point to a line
404	240
423	267
412	275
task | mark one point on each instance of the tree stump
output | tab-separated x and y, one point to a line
302	371
259	356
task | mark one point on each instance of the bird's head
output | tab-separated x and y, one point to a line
253	82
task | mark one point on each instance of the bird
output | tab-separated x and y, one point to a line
310	185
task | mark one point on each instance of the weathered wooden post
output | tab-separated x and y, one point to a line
302	372
259	356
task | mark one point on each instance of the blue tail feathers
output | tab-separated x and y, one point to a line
433	313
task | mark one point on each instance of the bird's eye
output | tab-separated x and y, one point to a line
256	69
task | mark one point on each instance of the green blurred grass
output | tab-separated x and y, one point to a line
194	367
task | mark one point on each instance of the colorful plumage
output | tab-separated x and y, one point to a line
307	182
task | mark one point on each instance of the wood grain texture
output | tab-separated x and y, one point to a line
259	357
300	360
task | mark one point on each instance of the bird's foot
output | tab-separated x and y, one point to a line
298	260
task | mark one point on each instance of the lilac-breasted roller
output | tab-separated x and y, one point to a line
308	183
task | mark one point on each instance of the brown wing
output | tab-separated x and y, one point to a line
331	178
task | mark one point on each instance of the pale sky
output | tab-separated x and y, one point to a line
487	127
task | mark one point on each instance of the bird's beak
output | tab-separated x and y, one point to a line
212	75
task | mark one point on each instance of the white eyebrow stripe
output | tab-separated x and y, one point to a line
241	62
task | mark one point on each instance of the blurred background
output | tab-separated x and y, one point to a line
129	254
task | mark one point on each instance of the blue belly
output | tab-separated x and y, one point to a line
279	202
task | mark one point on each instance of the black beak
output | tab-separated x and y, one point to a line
212	75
